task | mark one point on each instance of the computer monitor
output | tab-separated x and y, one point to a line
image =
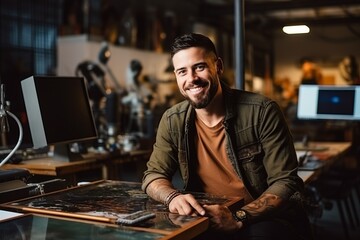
325	102
59	113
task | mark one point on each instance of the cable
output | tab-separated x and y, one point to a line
19	140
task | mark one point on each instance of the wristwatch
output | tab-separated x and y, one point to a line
241	215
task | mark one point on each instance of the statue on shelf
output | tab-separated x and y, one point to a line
139	99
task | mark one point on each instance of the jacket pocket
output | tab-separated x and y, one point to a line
249	153
251	161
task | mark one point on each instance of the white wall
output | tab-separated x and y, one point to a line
326	45
72	50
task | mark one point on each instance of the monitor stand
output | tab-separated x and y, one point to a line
62	152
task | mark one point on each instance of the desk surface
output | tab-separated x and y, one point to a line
105	201
332	152
53	167
57	168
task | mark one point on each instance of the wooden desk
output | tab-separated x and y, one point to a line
52	167
106	162
333	152
104	201
57	169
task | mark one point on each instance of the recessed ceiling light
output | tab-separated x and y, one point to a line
296	29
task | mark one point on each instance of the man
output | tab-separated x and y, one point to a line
226	142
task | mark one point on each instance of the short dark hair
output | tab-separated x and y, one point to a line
192	40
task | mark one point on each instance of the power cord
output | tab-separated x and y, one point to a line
19	139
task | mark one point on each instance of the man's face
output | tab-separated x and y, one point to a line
196	75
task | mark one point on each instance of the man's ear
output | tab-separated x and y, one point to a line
219	66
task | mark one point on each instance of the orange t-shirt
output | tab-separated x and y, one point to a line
216	173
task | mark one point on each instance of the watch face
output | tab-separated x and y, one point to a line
241	214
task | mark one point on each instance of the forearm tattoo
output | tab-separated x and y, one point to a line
263	206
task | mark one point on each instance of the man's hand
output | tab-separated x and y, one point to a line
186	204
221	218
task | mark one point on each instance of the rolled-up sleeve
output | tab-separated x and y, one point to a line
162	162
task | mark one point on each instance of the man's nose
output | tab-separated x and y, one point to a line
193	75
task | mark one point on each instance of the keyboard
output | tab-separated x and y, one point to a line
307	161
311	165
13	174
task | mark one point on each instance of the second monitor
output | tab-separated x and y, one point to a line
329	102
59	113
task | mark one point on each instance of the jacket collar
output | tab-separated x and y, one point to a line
229	96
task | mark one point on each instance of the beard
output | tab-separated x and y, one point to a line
203	101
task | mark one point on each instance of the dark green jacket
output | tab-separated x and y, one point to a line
258	144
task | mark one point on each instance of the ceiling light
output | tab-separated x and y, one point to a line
296	29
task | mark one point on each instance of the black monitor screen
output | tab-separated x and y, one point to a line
336	102
58	110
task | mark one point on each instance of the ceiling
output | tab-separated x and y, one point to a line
270	15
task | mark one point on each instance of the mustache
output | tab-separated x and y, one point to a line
197	83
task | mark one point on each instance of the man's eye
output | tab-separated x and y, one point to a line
181	72
200	67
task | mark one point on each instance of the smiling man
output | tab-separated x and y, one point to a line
227	142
